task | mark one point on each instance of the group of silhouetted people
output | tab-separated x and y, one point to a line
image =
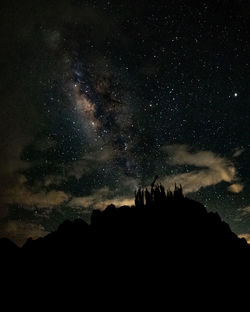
156	195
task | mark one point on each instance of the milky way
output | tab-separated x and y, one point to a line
100	96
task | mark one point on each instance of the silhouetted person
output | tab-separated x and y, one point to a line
157	194
163	194
148	197
178	192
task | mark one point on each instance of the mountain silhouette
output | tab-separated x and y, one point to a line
158	222
164	238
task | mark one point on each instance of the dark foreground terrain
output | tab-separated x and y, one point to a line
164	240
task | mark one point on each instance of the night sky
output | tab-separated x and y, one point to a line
97	97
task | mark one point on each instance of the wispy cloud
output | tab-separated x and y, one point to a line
236	188
238	151
244	211
19	231
90	161
102	197
210	169
21	195
96	202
